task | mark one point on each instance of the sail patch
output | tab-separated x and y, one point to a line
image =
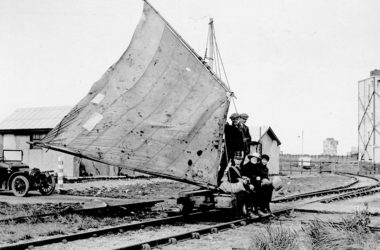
97	99
91	123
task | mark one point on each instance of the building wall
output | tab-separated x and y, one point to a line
271	148
93	168
48	159
38	158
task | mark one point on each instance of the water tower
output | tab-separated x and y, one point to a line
369	118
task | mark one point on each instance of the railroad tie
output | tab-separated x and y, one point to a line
173	241
146	247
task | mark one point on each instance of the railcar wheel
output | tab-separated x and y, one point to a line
47	185
187	207
20	186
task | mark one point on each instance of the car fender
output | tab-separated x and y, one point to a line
10	179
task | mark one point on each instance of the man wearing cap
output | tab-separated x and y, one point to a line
233	144
246	135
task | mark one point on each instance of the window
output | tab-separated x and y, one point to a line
36	137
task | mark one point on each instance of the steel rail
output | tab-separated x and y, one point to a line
319	193
336	190
165	240
95	233
357	193
83	211
195	234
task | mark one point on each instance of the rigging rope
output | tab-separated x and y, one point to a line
218	67
224	71
217	62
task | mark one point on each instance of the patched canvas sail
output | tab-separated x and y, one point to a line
158	110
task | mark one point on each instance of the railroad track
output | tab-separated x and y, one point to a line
107	208
195	234
104	231
337	190
188	235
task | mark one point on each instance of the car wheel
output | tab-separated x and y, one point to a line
20	185
47	185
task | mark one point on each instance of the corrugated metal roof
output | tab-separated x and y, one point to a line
34	118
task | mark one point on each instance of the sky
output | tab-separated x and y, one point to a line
293	65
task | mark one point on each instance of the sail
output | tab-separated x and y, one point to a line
157	110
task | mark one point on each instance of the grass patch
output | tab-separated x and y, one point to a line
351	233
13	232
274	238
14	210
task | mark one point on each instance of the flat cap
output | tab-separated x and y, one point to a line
244	115
234	116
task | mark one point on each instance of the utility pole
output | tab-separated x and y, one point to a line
302	143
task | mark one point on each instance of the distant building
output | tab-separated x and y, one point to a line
268	143
31	124
330	146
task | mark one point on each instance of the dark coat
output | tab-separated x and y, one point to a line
234	174
246	137
234	138
252	170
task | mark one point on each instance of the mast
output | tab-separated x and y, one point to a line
213	58
209	55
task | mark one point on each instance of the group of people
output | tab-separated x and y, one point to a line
237	141
249	181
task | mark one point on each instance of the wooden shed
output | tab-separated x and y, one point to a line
267	143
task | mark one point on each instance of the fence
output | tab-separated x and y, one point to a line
289	166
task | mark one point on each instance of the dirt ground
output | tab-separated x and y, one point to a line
148	189
242	237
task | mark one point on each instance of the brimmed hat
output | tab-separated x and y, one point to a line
234	116
254	154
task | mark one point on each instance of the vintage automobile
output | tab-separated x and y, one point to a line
20	179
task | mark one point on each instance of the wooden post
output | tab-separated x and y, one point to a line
60	174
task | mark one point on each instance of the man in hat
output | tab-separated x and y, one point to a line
233	144
246	135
